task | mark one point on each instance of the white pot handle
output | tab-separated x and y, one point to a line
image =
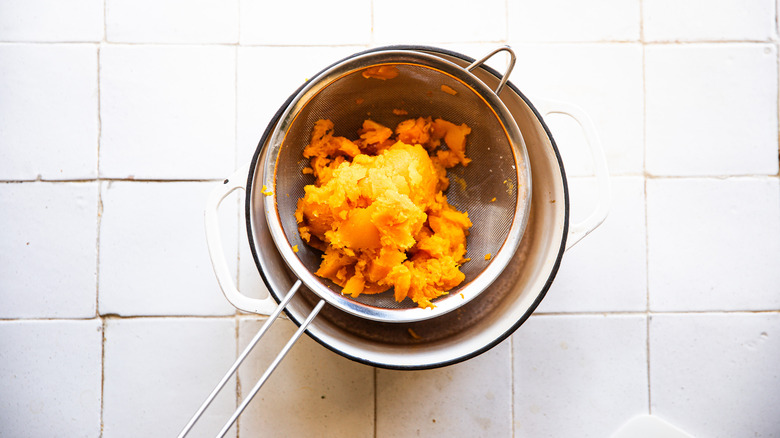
579	230
216	252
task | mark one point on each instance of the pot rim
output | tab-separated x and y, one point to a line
539	297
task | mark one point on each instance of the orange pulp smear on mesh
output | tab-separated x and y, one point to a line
378	210
448	90
382	72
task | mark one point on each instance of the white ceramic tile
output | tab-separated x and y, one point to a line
606	271
153	254
473	398
313	392
305	23
498	62
415	22
711	109
713	244
158	371
249	281
580	376
48	250
167	112
568	21
702	20
50	378
267	76
51	20
172	21
49	111
605	80
716	375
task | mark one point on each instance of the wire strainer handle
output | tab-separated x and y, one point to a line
244	354
509	68
214	242
276	361
581	229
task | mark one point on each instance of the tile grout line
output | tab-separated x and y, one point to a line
109	179
238	213
97	296
212	180
243	317
246	317
376	399
506	36
371	41
238	381
99	183
777	78
519	42
102	369
99	223
643	42
237	254
658	312
115	317
648	315
712	177
776	43
512	387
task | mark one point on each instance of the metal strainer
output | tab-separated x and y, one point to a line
494	188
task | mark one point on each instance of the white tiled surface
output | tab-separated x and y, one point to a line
158	371
579	375
433	402
50	378
117	118
48	258
153	254
702	20
290	23
711	109
51	20
439	21
49	112
566	21
172	21
167	112
330	396
730	258
706	363
249	282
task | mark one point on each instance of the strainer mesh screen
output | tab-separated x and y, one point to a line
351	99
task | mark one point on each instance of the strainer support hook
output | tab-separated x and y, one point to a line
505	77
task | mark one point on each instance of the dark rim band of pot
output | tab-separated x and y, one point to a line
539	297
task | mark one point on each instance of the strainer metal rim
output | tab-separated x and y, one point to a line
498	261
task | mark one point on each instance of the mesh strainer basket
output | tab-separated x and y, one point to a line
494	188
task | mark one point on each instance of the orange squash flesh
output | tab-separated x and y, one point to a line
378	211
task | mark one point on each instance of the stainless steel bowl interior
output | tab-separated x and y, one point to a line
499	169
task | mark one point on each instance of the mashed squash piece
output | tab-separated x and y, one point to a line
382	72
378	211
